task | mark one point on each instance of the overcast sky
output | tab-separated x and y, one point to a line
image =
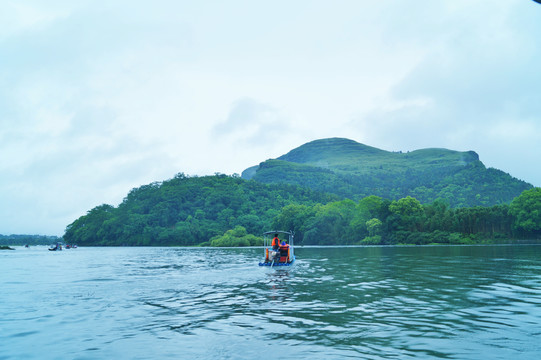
99	97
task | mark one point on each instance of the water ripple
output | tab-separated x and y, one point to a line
370	303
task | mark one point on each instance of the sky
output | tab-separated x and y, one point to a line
100	97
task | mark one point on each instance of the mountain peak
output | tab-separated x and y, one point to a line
328	149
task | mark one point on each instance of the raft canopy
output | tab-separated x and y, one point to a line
290	233
267	237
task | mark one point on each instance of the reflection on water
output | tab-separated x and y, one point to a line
375	303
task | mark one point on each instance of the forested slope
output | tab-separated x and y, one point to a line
187	211
352	170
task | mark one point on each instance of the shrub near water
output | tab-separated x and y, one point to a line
235	238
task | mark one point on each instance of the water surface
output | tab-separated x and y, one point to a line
445	302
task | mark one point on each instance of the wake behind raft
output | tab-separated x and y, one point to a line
278	247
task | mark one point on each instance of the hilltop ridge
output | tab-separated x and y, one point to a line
331	149
353	170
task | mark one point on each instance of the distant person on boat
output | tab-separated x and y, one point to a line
275	242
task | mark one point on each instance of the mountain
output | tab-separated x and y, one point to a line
352	170
311	190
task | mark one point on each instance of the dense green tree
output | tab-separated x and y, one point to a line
295	217
374	227
438	215
370	207
409	211
331	224
526	209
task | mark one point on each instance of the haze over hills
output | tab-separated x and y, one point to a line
353	170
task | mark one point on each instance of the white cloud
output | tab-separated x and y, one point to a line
17	17
513	131
251	122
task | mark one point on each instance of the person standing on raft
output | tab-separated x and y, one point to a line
275	242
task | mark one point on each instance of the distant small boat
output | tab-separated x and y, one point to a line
279	255
57	247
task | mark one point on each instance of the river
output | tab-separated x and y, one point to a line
433	302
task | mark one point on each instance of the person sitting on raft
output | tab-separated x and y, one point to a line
284	251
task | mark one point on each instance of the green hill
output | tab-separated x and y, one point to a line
353	170
187	211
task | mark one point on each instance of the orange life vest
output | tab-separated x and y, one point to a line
284	249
